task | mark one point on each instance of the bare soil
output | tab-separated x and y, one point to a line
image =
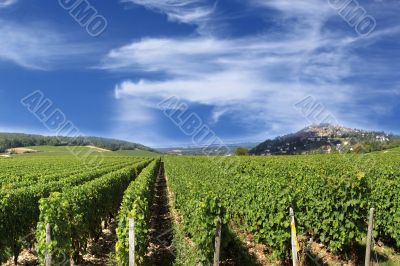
21	150
27	258
160	251
98	149
100	252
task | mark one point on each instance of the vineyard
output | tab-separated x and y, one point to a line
251	196
331	196
31	188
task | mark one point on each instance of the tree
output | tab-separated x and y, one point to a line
241	151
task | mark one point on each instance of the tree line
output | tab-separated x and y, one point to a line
14	140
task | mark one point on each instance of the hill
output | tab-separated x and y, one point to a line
17	140
192	150
326	138
66	150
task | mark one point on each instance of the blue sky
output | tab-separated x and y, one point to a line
240	65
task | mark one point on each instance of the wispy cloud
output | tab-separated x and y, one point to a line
39	47
7	3
196	12
257	79
200	55
314	8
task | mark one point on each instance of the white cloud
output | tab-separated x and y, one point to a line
199	55
7	3
196	12
255	80
315	8
38	46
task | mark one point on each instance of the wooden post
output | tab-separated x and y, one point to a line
369	237
218	236
131	242
295	258
48	242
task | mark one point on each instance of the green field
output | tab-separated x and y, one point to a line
79	150
394	150
25	180
134	153
330	194
57	150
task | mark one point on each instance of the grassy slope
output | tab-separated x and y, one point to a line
57	150
63	150
133	153
394	150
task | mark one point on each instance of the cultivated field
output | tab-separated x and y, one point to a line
75	202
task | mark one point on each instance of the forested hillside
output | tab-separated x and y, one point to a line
13	140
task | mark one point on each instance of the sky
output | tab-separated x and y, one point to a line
243	67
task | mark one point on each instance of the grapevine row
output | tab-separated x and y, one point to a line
19	208
76	214
136	204
331	196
